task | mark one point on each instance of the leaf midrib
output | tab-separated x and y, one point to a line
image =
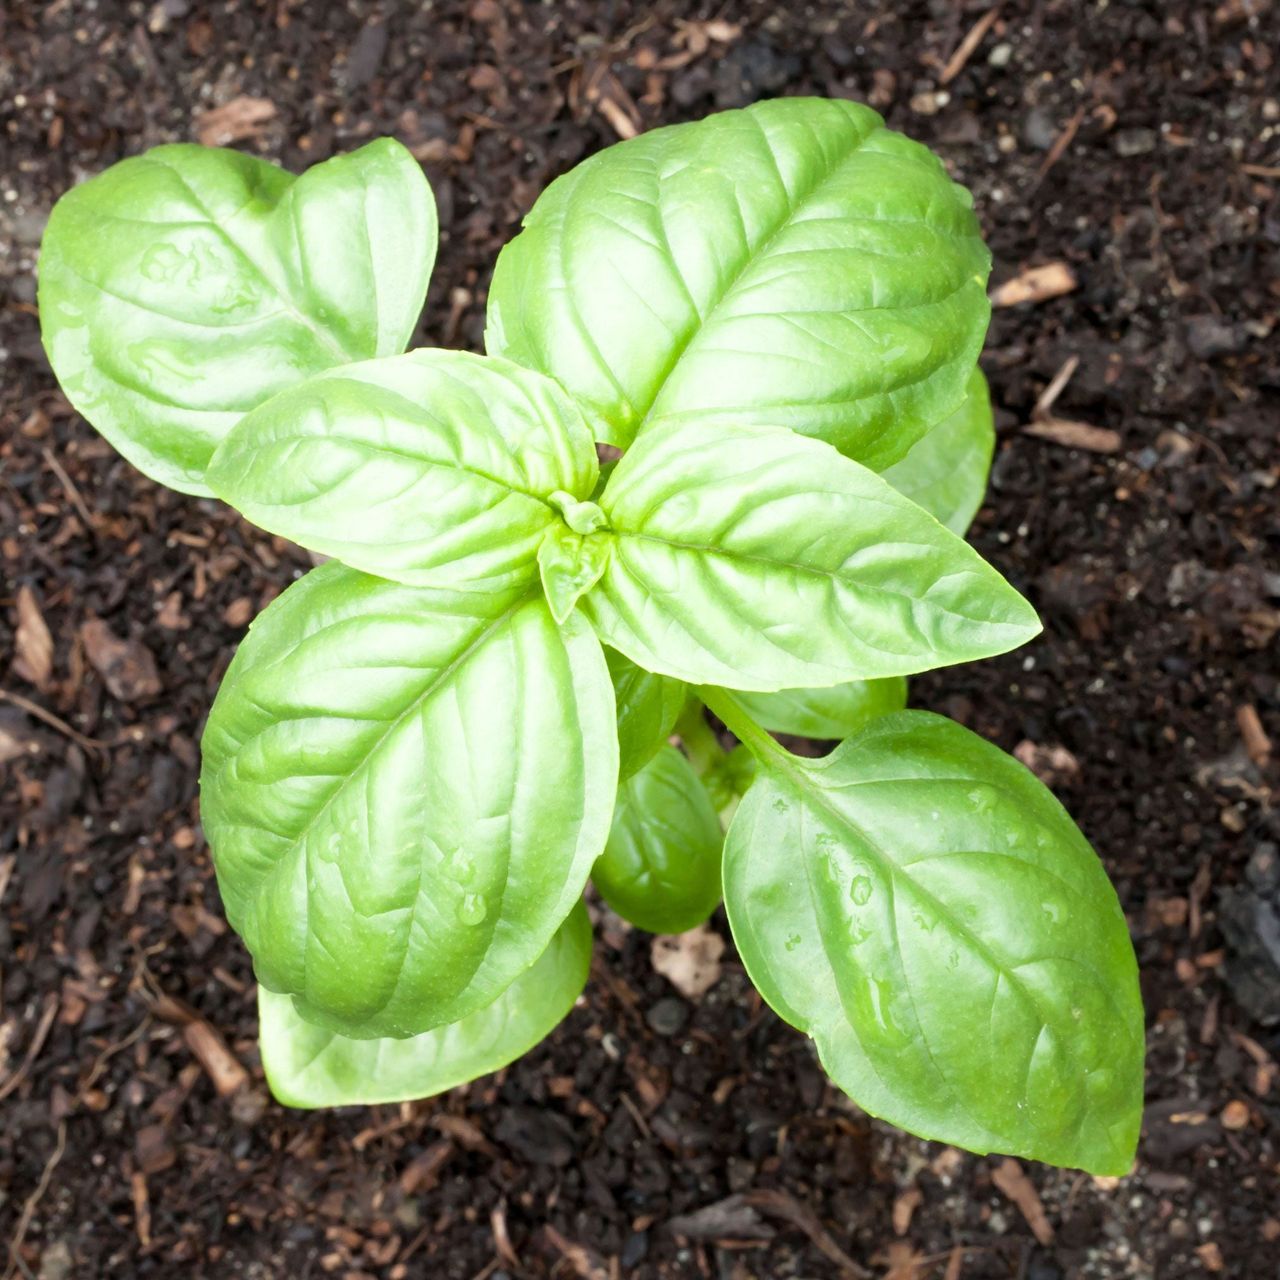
795	204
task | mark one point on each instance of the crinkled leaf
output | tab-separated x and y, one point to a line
830	713
181	288
753	558
795	264
570	565
307	1066
648	706
404	791
946	935
661	867
946	470
434	468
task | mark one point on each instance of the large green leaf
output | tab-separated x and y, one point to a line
753	558
434	468
795	264
946	470
943	931
648	706
183	287
661	866
307	1066
830	713
404	791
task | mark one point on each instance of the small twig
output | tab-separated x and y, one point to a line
29	1208
54	722
964	50
47	1016
73	494
1056	386
1060	144
779	1204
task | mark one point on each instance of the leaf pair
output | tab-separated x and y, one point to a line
749	557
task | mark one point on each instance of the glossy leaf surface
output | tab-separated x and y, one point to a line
434	468
307	1066
404	791
946	935
181	288
661	867
795	264
827	714
648	706
946	470
753	558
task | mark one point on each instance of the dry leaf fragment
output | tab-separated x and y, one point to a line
33	645
234	121
1076	435
1035	284
689	961
126	666
1015	1184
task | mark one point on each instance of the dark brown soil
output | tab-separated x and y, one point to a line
1155	567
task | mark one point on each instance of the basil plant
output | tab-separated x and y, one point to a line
426	747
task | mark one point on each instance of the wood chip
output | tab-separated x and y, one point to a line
583	1262
965	49
1010	1179
141	1207
904	1208
502	1238
234	121
954	1264
1211	1256
422	1172
689	961
211	1051
1075	435
1235	1115
1256	742
1035	284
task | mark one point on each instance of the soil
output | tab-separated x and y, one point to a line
654	1136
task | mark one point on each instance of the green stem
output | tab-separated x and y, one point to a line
704	751
736	719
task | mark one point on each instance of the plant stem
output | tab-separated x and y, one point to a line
733	714
704	751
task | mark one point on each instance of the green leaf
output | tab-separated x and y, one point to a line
795	264
435	468
573	555
753	558
183	287
826	713
946	935
307	1066
648	707
404	791
661	867
946	470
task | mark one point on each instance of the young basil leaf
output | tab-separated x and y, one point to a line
404	791
183	287
571	559
753	558
946	935
946	470
759	266
435	468
648	706
661	867
307	1066
826	714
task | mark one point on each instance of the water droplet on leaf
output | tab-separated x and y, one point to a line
860	890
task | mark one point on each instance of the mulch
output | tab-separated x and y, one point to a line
1126	163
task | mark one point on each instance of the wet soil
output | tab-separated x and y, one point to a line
1139	144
